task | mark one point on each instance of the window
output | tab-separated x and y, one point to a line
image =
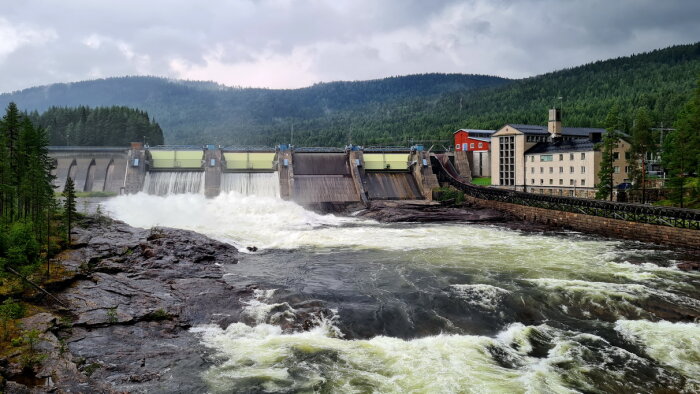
583	155
571	182
456	146
506	165
627	169
583	182
532	170
471	146
541	170
481	144
545	157
561	157
541	182
551	181
561	181
616	155
628	155
571	169
616	169
561	170
583	169
532	181
551	170
571	156
532	158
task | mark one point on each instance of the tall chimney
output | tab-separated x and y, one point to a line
554	125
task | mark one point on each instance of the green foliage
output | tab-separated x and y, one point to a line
9	310
158	315
448	195
392	111
69	210
112	316
613	123
681	152
85	126
642	144
22	246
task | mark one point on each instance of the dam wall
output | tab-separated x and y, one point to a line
308	176
93	169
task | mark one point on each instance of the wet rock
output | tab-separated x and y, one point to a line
400	211
689	266
133	296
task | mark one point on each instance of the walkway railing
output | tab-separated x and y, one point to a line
664	216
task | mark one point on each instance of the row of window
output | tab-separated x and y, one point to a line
561	170
471	146
561	157
572	182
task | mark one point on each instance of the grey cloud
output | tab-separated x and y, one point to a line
335	39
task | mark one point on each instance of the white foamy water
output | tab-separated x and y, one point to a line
480	295
674	344
163	183
587	279
265	184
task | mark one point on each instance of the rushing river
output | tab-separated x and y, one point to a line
435	308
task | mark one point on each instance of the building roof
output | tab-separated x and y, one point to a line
542	130
576	145
481	139
475	131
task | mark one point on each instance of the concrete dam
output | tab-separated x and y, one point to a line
308	176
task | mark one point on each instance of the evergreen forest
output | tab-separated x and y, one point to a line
102	126
425	108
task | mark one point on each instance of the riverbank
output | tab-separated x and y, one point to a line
130	297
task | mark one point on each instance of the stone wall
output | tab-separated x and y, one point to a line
615	228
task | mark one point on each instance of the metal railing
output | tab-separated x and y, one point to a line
663	216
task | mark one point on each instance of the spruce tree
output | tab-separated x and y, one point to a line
681	153
69	206
643	144
613	122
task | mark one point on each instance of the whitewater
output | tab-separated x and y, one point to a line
435	307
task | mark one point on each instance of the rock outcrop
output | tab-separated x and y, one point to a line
131	296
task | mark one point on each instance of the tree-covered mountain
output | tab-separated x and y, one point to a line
199	112
101	126
394	110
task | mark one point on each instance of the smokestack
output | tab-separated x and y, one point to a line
554	125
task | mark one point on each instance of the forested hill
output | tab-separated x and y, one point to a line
102	126
394	110
199	112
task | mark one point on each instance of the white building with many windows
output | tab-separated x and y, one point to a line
551	160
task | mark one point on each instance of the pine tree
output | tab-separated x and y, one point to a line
69	205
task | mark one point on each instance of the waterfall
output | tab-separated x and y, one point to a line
261	184
163	183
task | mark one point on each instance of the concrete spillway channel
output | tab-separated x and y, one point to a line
323	177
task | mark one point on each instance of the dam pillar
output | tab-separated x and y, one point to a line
423	172
357	172
212	171
135	169
462	164
285	170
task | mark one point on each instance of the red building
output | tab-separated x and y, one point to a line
472	140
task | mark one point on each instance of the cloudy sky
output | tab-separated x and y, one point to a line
294	43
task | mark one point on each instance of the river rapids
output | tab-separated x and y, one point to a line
437	308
